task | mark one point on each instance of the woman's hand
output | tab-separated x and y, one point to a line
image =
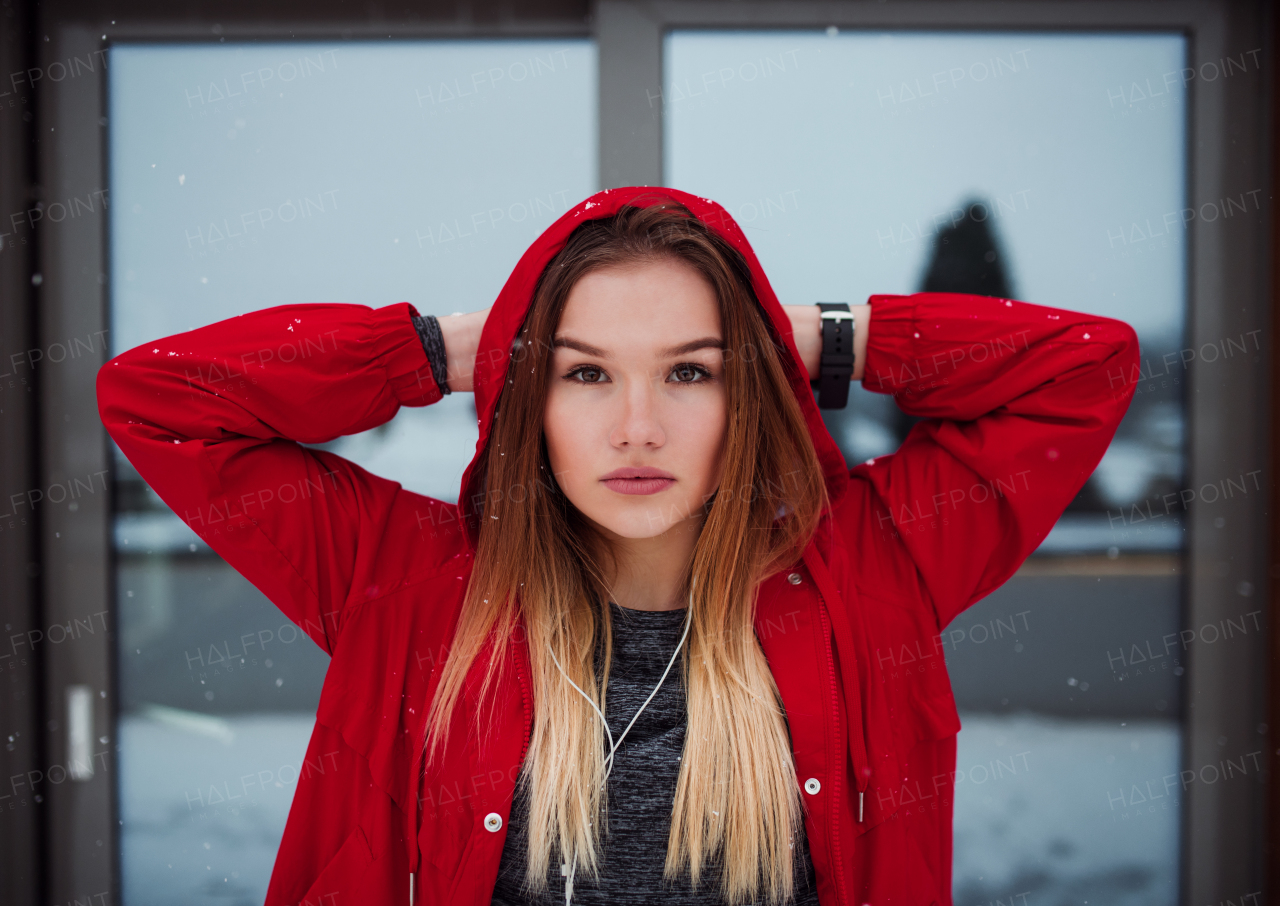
461	334
806	324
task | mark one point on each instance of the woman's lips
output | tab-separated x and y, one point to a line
639	485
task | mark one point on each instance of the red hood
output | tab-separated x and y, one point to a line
513	302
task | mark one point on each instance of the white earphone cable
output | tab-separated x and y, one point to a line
568	871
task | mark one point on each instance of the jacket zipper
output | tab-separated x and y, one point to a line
834	799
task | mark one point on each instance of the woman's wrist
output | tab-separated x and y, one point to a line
461	334
806	326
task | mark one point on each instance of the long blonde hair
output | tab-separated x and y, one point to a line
537	559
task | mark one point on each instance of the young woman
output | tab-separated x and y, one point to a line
667	646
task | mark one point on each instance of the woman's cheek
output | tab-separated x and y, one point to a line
707	435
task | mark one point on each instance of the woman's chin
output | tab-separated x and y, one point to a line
638	522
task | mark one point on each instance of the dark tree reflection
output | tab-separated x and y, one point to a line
967	258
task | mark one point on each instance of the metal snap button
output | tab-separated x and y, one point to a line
493	822
794	578
811	786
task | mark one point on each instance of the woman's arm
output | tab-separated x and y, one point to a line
1020	402
806	327
212	419
461	333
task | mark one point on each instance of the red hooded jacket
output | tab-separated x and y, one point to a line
1020	402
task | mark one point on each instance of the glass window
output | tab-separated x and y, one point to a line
1048	168
245	176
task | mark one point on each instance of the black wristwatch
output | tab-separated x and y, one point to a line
836	369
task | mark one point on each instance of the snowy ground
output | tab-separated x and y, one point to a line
185	837
1087	816
1046	811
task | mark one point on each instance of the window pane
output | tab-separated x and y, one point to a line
1053	167
245	176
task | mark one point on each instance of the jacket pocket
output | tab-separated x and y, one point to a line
341	879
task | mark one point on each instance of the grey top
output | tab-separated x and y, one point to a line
641	786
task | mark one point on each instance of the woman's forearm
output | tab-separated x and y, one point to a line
461	334
806	325
307	373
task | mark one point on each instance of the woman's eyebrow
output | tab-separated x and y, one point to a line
584	348
691	346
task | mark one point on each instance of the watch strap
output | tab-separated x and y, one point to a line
433	345
836	367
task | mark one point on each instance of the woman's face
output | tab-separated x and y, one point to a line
637	382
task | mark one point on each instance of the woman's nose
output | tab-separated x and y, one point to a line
638	422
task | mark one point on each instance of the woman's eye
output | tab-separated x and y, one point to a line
688	371
588	370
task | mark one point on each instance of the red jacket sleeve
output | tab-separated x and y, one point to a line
212	419
1020	401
